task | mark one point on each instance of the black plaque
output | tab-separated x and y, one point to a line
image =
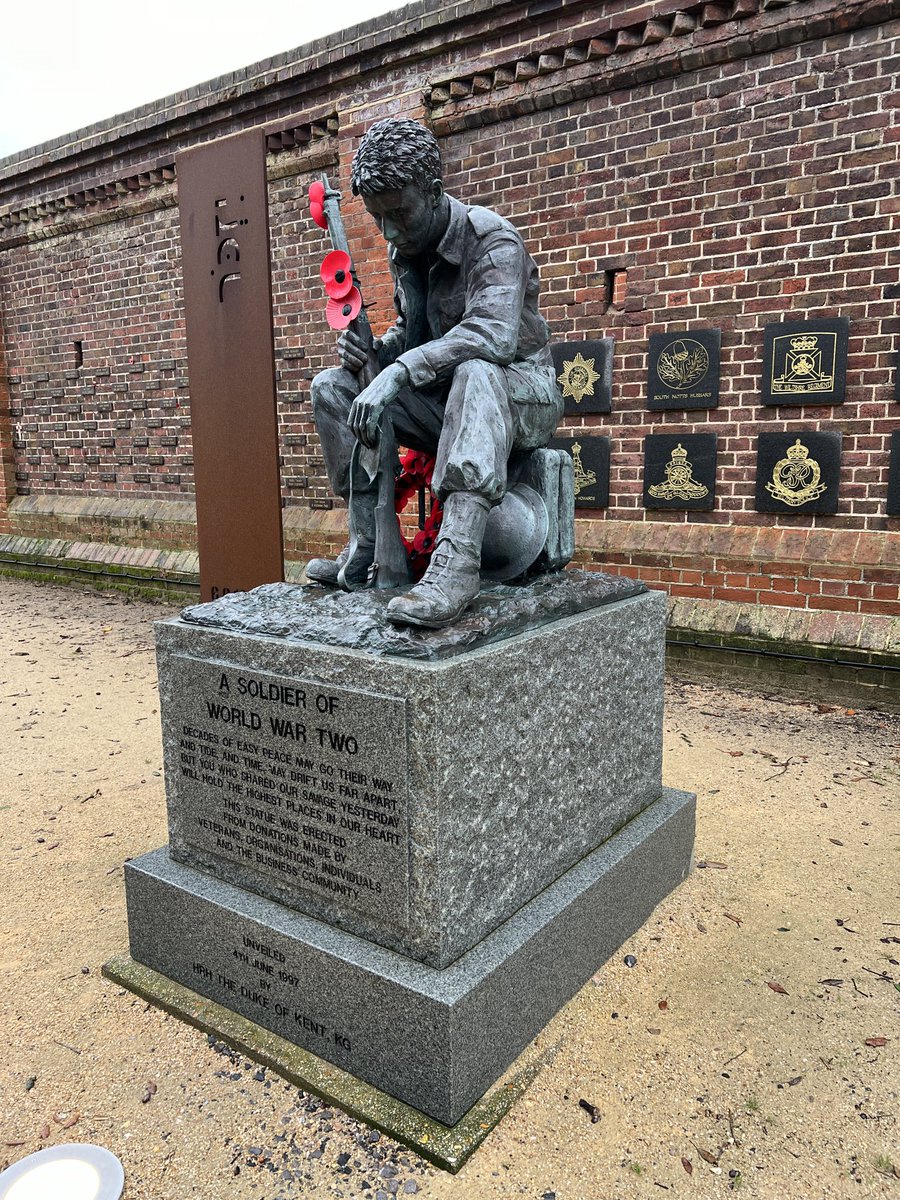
893	492
680	470
805	362
590	455
683	369
798	472
584	372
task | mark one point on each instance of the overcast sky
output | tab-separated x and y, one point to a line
65	64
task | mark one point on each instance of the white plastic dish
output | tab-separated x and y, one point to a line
75	1171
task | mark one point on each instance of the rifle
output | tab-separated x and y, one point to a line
370	467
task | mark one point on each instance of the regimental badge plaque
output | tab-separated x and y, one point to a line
805	362
798	472
584	374
680	470
683	369
893	492
590	456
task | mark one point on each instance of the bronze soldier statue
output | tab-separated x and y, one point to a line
465	373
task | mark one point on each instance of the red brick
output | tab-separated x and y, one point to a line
782	599
840	603
888	607
735	593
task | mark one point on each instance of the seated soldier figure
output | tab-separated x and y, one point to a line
465	372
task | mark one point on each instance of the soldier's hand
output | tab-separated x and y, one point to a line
366	410
352	350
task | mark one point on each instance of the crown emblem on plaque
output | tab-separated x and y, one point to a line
806	341
679	483
796	478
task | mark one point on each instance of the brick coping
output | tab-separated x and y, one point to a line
871	632
114	508
783	544
762	543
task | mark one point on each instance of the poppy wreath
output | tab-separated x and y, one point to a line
416	469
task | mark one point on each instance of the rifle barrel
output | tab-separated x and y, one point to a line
332	208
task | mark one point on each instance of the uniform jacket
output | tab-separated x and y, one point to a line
478	300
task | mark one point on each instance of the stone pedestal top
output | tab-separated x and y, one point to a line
358	620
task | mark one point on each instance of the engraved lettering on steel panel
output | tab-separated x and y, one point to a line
301	783
228	307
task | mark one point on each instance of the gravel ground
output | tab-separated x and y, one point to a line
751	1046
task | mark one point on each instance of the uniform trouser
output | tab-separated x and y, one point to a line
486	414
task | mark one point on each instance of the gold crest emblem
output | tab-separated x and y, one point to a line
682	363
583	478
578	377
679	482
795	479
806	364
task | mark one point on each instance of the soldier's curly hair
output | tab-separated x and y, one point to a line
392	154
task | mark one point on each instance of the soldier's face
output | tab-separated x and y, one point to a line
408	218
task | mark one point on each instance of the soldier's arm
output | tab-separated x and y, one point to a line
392	342
489	329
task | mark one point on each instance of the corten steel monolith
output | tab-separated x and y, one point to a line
228	306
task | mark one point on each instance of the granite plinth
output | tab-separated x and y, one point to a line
416	802
435	1039
358	620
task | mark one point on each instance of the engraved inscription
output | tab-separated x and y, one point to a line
258	975
683	370
302	783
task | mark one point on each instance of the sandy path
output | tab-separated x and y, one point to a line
690	1050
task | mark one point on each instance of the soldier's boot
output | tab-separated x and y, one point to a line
326	570
354	571
350	570
452	580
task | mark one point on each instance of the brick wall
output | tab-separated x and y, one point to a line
7	457
718	164
734	196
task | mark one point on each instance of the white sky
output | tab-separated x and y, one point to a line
65	64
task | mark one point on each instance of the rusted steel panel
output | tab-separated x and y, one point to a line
231	364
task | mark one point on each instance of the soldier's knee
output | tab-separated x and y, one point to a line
479	371
327	390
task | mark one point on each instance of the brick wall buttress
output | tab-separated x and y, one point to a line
7	458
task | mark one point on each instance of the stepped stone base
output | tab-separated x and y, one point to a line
435	1038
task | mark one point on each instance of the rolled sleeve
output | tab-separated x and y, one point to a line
392	342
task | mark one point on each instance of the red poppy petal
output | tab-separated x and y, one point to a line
339	313
336	273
